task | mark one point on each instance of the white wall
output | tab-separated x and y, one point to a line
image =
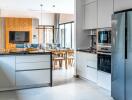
66	18
48	18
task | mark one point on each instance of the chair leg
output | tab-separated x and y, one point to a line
66	64
60	64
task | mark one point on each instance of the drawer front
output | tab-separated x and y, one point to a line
32	77
104	80
32	66
92	64
92	74
32	58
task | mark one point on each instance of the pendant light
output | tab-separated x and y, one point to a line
41	17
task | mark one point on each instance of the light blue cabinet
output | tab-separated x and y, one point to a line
7	72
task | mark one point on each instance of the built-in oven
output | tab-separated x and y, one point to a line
104	62
104	36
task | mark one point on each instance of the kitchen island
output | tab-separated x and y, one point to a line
25	70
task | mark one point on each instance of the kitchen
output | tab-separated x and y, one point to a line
103	52
97	38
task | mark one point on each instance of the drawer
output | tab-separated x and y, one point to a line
32	77
32	58
104	80
32	66
92	74
92	64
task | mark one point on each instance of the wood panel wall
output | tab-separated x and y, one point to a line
17	24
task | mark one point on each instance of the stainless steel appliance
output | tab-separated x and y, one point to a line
122	55
104	63
104	36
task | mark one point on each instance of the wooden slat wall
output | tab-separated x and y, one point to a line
17	24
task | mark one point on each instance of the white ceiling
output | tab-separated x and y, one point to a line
61	6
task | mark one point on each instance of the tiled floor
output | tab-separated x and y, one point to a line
65	88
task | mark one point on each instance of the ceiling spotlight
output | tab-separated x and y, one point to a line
53	6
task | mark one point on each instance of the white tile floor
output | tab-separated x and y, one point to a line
65	88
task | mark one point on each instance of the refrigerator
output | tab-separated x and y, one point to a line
121	85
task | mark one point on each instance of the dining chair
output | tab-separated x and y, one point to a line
58	58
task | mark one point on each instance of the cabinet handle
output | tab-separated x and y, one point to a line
90	67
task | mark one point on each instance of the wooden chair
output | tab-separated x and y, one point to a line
70	57
58	58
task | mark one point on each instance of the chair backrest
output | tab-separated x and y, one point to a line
70	52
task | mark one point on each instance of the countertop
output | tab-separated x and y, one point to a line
26	53
87	51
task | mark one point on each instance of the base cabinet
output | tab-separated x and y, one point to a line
92	74
104	80
87	66
7	72
32	77
23	71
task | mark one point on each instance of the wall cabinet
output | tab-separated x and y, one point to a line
90	16
105	11
89	1
7	72
122	4
87	66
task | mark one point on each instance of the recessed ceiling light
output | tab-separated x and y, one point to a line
53	6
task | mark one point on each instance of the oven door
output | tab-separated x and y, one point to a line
104	63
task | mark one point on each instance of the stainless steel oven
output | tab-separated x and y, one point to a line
104	62
104	36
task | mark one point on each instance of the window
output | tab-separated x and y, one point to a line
46	34
67	35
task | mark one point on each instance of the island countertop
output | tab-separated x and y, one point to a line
26	53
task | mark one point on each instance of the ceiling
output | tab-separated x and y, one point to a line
61	6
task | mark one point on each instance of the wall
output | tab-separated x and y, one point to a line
35	35
17	24
66	18
48	18
2	31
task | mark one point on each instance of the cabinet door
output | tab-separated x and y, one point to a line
90	19
37	77
122	4
92	74
7	72
81	65
105	11
86	69
104	80
89	1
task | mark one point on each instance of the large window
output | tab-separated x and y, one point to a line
67	35
46	34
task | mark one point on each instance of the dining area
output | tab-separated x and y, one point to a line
62	58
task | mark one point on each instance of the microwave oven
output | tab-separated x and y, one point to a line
104	36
